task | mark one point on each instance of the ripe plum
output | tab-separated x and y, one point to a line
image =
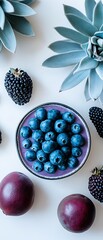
16	194
76	213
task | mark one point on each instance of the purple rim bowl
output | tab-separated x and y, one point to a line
59	174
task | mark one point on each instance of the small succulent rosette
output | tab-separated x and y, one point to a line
13	15
82	47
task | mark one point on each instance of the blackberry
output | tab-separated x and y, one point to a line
18	85
96	116
0	137
95	184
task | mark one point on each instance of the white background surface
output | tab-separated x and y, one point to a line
41	221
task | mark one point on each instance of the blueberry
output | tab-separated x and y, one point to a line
68	116
63	139
41	114
30	155
34	123
62	166
49	167
46	125
41	156
53	114
60	125
76	128
49	146
76	151
50	136
25	132
77	140
57	157
38	166
26	143
72	162
66	150
38	136
36	146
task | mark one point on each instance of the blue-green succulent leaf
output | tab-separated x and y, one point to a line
101	98
99	34
98	15
74	79
72	34
86	91
95	85
87	63
81	25
21	25
7	37
2	18
74	11
89	7
99	70
21	9
28	1
101	28
7	6
94	40
0	46
101	54
64	60
64	46
84	46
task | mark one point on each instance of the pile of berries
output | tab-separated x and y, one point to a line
52	140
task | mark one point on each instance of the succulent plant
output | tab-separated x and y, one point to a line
83	48
13	15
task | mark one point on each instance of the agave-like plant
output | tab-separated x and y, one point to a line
82	47
13	15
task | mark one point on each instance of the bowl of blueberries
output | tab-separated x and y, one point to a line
53	141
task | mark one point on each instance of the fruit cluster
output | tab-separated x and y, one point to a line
18	85
52	140
96	116
95	184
